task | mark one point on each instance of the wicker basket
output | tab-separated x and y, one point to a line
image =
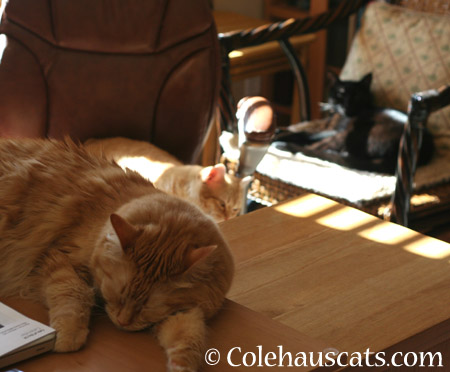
269	191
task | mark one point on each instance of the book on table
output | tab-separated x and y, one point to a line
21	337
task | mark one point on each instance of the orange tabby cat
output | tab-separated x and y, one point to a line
213	190
74	226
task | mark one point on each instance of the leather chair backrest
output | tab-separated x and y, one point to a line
142	69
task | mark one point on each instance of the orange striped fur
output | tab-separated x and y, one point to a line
74	226
217	193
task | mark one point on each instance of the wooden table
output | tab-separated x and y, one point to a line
340	275
112	350
311	274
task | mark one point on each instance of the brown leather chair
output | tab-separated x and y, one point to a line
142	69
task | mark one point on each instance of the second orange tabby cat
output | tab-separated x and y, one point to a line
217	193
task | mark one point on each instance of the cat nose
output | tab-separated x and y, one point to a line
123	320
123	323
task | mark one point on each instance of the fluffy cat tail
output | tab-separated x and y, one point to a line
183	337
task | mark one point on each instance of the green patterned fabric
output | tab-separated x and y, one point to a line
407	52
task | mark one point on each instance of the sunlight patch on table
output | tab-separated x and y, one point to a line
305	206
387	233
429	248
345	219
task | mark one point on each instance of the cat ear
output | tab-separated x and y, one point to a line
213	174
197	254
126	232
367	79
332	77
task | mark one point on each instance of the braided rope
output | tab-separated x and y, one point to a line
285	29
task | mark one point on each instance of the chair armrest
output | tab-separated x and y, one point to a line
420	107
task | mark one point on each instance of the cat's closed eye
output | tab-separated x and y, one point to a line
122	296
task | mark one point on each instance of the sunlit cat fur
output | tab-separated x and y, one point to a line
217	193
75	226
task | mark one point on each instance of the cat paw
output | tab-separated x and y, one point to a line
67	341
179	365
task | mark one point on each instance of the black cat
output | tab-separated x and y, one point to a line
356	134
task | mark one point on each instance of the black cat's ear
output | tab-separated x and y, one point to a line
367	79
332	77
126	232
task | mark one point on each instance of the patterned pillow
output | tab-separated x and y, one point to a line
407	52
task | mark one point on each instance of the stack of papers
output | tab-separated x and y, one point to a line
21	337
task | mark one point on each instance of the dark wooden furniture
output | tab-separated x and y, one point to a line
276	10
424	217
263	59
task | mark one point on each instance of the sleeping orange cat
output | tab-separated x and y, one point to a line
75	227
217	193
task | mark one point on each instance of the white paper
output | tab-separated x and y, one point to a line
17	330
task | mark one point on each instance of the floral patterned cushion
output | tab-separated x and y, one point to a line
407	52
